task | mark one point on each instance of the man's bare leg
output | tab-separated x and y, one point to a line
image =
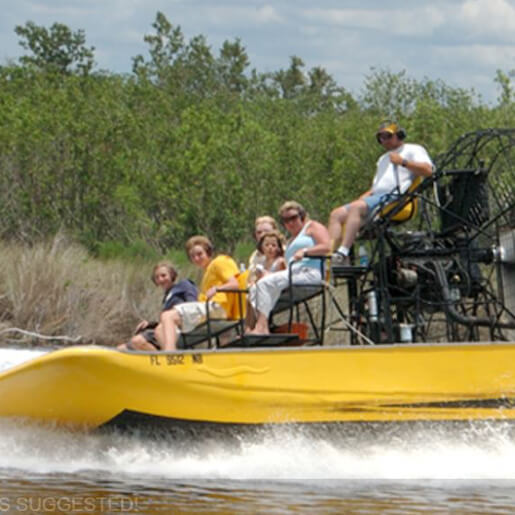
250	318
166	331
357	213
336	220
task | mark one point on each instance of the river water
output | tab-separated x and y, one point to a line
411	469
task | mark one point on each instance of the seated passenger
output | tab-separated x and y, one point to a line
271	246
261	225
308	237
396	169
219	274
164	276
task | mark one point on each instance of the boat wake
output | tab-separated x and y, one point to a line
12	357
350	451
399	452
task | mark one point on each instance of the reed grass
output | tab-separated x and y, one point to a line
56	292
56	288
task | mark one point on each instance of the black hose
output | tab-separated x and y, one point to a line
449	306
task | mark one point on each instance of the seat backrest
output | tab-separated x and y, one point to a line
463	200
410	207
238	300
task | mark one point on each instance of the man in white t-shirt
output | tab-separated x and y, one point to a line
396	169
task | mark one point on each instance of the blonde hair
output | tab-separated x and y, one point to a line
291	204
266	219
202	241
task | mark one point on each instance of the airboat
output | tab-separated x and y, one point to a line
424	330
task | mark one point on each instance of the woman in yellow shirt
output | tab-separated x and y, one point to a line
219	274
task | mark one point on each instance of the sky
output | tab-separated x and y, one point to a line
462	42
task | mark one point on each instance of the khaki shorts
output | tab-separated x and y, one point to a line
194	313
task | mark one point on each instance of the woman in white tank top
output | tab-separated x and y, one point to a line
307	237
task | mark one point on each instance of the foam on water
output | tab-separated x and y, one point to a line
12	357
425	454
480	451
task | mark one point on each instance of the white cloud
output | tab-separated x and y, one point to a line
416	21
236	17
494	17
476	56
466	40
267	14
62	9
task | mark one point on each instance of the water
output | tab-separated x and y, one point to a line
408	469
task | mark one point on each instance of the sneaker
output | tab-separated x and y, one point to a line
339	259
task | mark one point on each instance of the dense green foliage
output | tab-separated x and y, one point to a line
192	142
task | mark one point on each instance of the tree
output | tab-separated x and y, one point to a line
505	84
233	62
165	46
291	81
58	49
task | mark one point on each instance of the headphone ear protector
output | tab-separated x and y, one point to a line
392	127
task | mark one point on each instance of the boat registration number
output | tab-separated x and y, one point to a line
174	359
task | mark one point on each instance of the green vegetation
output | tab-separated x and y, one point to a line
129	166
193	142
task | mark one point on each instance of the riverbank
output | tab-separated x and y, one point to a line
55	292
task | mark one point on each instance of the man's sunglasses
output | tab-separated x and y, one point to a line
384	136
287	219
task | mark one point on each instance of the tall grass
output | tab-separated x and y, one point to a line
56	288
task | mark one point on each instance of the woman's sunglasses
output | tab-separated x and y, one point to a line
287	219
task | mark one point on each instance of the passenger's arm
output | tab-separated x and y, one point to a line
141	326
281	264
185	291
322	242
423	169
231	284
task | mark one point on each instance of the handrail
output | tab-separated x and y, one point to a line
322	258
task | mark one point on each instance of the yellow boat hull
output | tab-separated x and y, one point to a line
91	386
